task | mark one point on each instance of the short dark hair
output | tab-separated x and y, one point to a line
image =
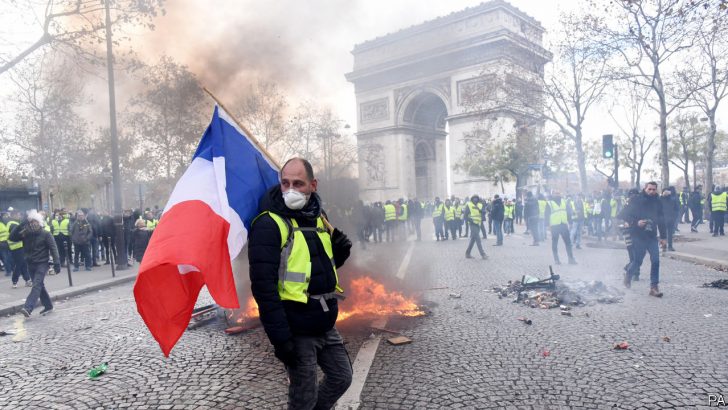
651	183
306	165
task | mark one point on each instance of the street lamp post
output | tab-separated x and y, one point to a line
122	262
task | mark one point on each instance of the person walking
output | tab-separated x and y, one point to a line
670	210
559	216
509	210
644	218
696	208
438	219
5	255
473	214
449	212
416	212
578	216
390	220
39	247
530	212
298	295
81	234
497	214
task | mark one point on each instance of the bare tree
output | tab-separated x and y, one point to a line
686	144
633	144
77	25
649	36
167	117
263	109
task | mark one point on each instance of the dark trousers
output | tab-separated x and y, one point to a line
391	230
20	268
670	233
417	222
533	225
83	251
95	250
718	220
561	230
439	228
7	259
697	217
498	228
453	228
641	246
378	233
474	240
63	243
38	272
326	351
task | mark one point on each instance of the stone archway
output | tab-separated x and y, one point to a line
412	83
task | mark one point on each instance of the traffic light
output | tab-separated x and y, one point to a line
607	146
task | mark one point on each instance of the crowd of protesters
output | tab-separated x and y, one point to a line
83	238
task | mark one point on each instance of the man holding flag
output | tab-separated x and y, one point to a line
293	255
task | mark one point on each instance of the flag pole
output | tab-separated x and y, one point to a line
257	144
247	132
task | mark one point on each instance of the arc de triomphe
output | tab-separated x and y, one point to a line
410	91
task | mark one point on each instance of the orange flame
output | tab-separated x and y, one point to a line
366	296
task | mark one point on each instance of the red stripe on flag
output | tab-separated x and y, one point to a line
190	233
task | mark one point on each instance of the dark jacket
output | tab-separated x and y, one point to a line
670	207
107	226
81	232
139	241
531	208
95	223
497	210
695	200
37	246
282	319
645	207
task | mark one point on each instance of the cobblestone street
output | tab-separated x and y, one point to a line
467	352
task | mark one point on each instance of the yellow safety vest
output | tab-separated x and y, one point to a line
4	232
449	213
152	224
613	205
587	208
542	208
60	227
509	211
437	211
558	214
403	214
459	211
390	212
718	202
295	274
13	245
474	213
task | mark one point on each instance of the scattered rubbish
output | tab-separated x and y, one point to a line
565	313
666	339
718	284
399	340
83	328
524	320
202	315
455	296
104	318
548	294
708	315
6	332
546	353
98	370
621	346
439	288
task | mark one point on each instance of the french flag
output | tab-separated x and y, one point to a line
204	227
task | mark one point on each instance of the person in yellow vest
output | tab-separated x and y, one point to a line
559	216
718	206
20	268
297	295
150	220
390	220
474	215
402	218
438	219
5	254
510	208
450	227
61	234
458	217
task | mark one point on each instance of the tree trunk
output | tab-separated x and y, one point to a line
709	155
580	157
664	159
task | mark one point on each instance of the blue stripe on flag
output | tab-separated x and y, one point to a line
247	172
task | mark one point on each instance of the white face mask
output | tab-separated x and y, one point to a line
295	200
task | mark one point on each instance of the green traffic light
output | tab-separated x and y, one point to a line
608	154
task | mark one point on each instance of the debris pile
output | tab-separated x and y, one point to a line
548	294
718	284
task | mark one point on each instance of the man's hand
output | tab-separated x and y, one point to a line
286	353
642	223
663	242
57	267
339	239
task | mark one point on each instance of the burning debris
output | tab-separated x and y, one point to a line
367	297
548	294
718	284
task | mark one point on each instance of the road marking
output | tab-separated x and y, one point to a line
405	262
368	350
